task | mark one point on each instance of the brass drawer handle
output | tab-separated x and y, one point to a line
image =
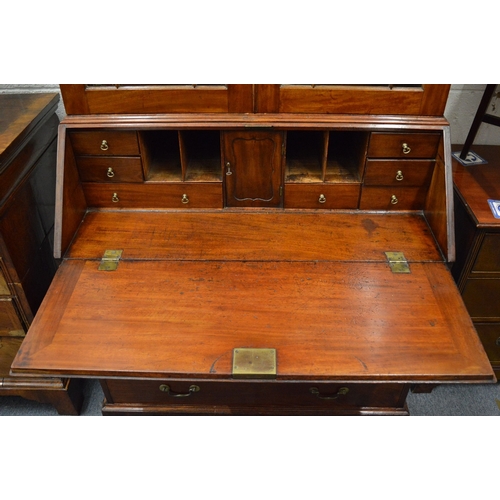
110	173
322	198
399	175
341	392
115	198
406	148
192	389
185	198
104	145
394	200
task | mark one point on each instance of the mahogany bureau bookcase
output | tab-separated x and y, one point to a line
255	249
28	140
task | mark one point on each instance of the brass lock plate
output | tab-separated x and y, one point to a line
254	363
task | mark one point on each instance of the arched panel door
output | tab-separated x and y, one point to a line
252	162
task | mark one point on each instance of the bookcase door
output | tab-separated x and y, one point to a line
384	99
89	99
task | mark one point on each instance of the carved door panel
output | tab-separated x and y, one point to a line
252	162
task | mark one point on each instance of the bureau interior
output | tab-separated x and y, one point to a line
303	167
325	156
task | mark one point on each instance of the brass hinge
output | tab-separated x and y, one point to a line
397	262
109	261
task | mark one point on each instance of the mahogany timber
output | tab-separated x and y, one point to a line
357	321
477	268
28	128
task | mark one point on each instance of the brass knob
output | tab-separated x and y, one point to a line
115	198
399	175
110	172
406	148
104	145
322	198
394	200
185	198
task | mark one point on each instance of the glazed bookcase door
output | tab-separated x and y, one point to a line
89	99
252	162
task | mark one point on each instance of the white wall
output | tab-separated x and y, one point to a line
460	109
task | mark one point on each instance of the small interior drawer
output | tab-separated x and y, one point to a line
489	333
384	145
110	169
322	196
105	142
392	198
488	258
398	172
153	195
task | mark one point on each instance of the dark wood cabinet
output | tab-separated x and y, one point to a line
28	138
477	267
262	262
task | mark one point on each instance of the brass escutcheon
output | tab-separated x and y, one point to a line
104	145
399	175
115	198
185	198
228	165
110	172
394	200
406	148
322	198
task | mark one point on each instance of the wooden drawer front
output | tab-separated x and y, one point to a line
117	196
398	172
4	289
392	198
326	196
393	145
8	350
105	142
249	393
110	169
488	258
481	298
489	333
10	324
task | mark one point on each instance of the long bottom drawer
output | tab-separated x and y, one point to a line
251	397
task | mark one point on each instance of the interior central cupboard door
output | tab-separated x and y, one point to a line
252	165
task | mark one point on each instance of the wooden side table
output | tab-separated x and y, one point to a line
477	267
28	142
